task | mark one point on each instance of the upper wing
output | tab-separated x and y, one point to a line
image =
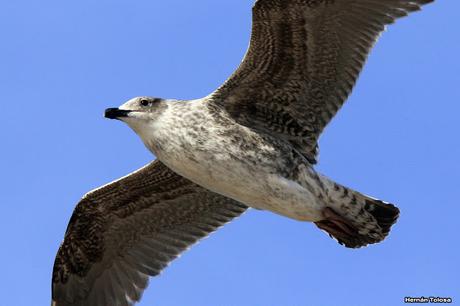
128	230
302	63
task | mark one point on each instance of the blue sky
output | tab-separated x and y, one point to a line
62	63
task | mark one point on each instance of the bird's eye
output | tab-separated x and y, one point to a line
145	102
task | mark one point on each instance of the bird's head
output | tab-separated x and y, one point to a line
137	109
139	113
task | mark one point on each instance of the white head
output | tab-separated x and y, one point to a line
140	114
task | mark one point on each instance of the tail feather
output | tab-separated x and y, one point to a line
385	214
356	220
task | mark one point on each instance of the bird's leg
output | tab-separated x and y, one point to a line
335	224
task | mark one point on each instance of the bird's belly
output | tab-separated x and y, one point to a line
237	162
257	186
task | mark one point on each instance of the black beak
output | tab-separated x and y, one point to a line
116	113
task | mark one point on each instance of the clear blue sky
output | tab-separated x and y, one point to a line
62	63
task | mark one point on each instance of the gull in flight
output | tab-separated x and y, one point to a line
251	143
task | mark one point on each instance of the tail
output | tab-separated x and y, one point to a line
356	220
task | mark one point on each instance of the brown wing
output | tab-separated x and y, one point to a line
128	230
302	63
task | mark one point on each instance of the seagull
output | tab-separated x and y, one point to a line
253	142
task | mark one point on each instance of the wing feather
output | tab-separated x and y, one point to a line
124	232
302	63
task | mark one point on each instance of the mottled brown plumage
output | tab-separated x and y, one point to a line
302	63
255	138
128	230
